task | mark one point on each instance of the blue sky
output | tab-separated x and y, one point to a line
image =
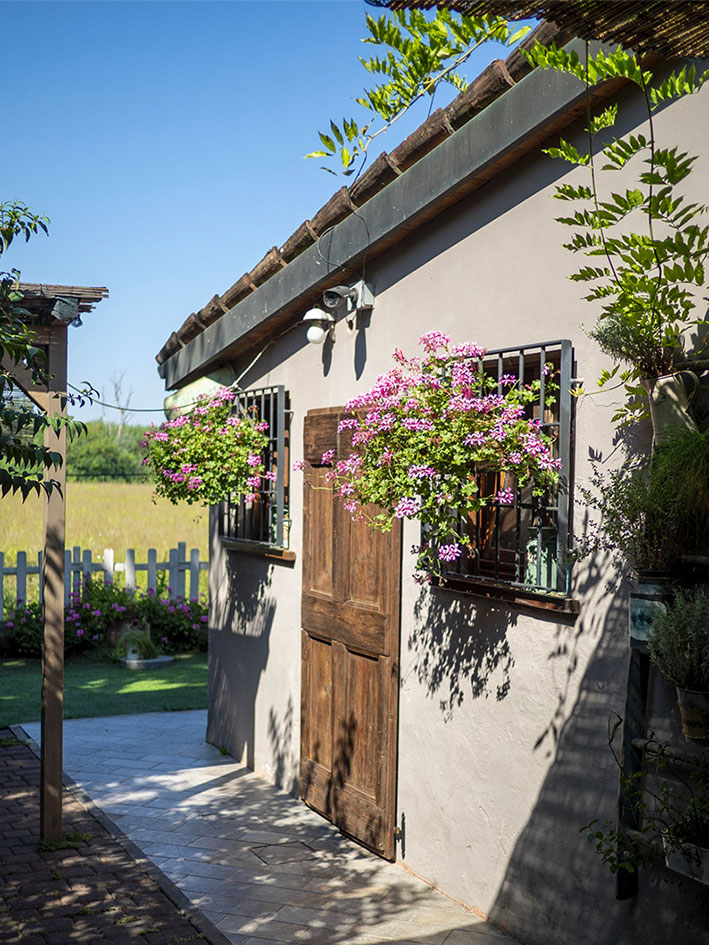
165	141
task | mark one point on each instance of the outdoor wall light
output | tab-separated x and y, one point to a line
319	325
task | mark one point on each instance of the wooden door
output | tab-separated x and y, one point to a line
350	670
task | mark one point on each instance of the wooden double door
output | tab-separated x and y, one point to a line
350	650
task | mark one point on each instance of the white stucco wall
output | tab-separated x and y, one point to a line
503	714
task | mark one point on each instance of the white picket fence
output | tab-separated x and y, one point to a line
79	564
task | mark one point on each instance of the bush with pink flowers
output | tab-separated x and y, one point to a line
209	454
426	430
92	617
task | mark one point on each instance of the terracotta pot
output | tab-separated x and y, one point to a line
687	859
669	398
694	712
649	597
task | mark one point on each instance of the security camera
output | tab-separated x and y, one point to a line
338	294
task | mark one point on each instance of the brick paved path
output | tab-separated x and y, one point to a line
94	893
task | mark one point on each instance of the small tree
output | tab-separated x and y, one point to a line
122	399
422	51
647	245
101	456
22	458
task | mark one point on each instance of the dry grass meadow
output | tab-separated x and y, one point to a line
106	515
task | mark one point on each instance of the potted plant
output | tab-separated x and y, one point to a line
685	841
647	281
679	646
425	434
682	460
135	644
670	800
639	521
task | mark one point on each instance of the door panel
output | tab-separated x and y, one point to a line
364	696
367	585
350	619
320	700
321	552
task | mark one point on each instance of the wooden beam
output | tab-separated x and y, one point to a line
53	600
22	376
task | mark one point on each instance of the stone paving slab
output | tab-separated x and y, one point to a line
90	891
259	865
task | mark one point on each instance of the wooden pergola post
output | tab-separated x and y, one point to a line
50	310
53	596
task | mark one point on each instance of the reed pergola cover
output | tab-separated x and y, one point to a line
668	27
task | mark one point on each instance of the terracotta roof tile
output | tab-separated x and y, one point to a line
241	288
381	172
333	212
299	241
270	264
490	84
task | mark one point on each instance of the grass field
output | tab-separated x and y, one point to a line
94	689
105	515
102	515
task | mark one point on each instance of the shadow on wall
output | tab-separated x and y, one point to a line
460	647
238	655
556	890
280	736
596	589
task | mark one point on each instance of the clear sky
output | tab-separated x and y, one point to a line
165	142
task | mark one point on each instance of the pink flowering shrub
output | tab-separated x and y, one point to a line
92	617
207	455
424	432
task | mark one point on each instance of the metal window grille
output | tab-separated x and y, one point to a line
526	545
265	519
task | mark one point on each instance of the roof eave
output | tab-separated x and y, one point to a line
511	126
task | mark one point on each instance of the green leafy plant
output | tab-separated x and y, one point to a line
91	616
638	517
421	52
136	638
651	510
209	454
682	459
647	283
679	640
669	801
179	625
23	456
425	433
22	633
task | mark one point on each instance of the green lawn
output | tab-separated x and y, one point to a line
94	689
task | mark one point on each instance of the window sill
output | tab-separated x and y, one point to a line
490	590
259	548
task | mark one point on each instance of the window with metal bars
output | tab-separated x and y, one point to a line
263	521
525	545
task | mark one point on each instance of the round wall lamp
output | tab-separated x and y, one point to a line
319	324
